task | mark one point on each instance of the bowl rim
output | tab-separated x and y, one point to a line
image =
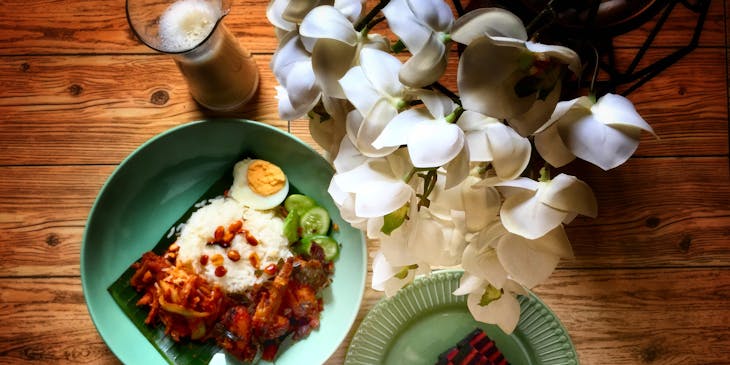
84	243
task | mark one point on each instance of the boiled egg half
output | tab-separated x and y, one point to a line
258	184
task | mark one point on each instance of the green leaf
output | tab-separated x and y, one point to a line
184	352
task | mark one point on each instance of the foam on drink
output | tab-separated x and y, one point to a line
186	23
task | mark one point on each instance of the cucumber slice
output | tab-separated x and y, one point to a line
316	220
291	226
299	202
330	247
302	248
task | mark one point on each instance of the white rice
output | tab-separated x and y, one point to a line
265	226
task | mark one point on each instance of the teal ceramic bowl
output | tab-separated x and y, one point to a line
164	177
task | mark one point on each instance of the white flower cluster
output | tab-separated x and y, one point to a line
434	176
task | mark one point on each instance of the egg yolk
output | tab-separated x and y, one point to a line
265	178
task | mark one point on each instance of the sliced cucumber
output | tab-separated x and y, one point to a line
299	202
291	226
330	247
316	220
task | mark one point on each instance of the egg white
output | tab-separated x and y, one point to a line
244	195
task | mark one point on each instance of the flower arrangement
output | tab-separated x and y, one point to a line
440	177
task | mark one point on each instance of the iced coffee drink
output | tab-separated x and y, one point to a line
221	75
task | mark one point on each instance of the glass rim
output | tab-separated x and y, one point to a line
202	41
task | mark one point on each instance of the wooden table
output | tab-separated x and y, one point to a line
650	283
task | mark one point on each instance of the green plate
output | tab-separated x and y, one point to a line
424	319
164	177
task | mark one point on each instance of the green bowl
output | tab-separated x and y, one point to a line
162	179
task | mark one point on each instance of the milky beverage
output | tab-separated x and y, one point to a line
221	75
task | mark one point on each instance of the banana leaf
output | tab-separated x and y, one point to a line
184	352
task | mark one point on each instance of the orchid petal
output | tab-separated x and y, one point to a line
429	242
436	14
397	131
328	134
331	60
564	54
433	144
326	22
372	127
379	198
287	111
569	194
551	147
348	157
401	21
438	104
616	111
504	312
523	214
427	65
481	203
489	93
538	114
301	85
581	105
491	21
525	265
351	9
597	143
554	242
290	52
484	264
274	12
458	168
356	87
382	271
468	284
381	69
296	11
510	151
521	183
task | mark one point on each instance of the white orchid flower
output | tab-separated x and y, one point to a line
377	94
330	36
498	256
285	15
376	186
432	140
327	124
489	140
312	57
423	26
392	277
490	305
605	133
502	75
531	209
480	203
298	91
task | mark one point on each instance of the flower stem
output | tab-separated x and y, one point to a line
366	20
536	21
438	86
371	25
398	47
459	8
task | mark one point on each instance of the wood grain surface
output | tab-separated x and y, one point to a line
650	281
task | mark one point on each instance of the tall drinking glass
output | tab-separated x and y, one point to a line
221	75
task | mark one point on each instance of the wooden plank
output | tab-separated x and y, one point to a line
663	316
672	316
682	221
47	323
99	109
94	26
654	212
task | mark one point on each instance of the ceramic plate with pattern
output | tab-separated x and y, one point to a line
424	319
